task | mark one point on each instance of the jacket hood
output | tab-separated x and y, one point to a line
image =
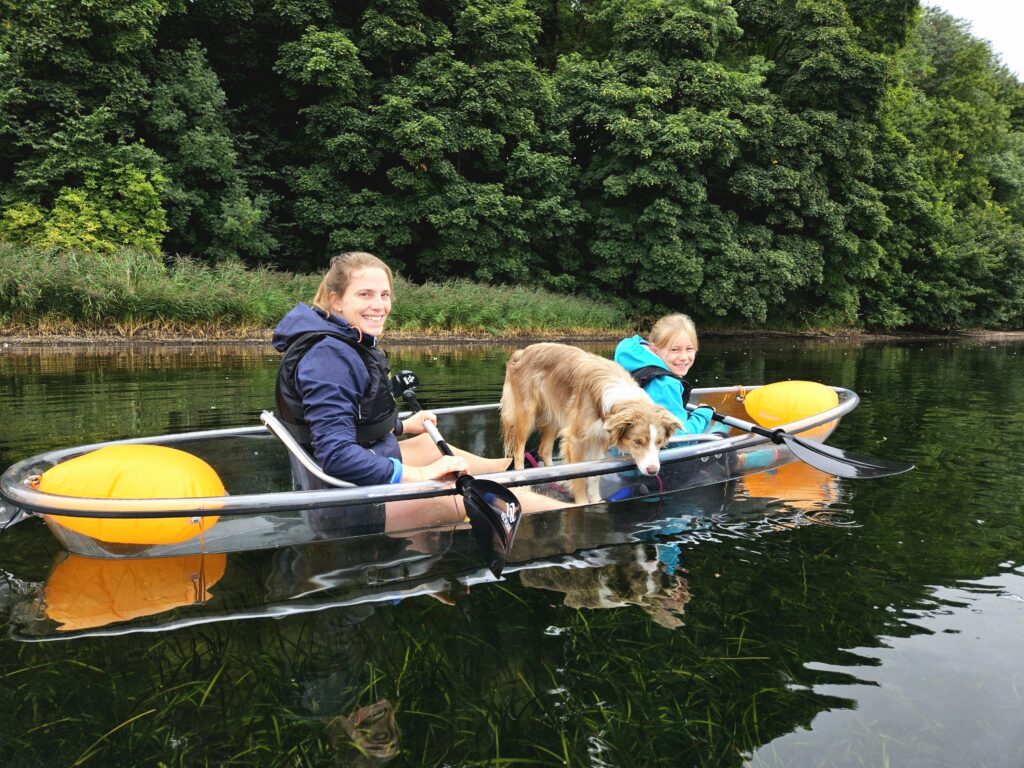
304	319
635	353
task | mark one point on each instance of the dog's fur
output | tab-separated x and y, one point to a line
591	402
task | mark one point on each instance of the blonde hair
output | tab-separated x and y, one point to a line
338	276
670	326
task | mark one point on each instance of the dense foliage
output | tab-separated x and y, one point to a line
780	162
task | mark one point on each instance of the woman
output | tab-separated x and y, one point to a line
334	394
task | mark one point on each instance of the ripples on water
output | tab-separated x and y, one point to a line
791	619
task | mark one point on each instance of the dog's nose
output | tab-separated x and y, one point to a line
651	469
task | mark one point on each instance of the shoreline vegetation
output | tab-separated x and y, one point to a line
13	338
50	296
812	165
132	294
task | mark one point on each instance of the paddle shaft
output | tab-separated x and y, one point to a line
827	458
428	425
775	435
493	510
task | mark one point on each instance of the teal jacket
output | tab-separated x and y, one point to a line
633	354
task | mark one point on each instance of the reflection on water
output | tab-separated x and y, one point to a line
917	692
621	577
786	619
626	555
798	485
367	737
82	593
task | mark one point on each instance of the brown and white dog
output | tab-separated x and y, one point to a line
591	402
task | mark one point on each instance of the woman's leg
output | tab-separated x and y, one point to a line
413	514
420	513
420	450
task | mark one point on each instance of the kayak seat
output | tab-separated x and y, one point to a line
307	475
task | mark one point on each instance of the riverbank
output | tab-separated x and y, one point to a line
21	337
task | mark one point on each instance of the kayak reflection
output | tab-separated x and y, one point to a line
798	486
626	554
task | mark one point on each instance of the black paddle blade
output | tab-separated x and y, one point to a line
842	463
403	384
494	513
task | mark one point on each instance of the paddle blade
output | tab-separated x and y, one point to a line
494	513
841	463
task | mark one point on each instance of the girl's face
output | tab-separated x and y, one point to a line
366	302
678	354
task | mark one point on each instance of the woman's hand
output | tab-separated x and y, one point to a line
414	424
447	467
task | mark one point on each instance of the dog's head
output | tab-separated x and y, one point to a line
641	429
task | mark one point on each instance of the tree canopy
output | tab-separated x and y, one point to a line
753	162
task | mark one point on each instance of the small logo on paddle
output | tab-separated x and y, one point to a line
509	514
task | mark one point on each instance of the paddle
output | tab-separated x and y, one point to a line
827	458
493	510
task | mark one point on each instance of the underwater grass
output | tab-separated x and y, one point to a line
135	294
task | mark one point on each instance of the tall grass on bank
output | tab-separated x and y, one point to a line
134	294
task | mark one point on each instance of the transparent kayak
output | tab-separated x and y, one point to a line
264	509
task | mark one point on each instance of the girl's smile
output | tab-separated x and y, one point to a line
678	354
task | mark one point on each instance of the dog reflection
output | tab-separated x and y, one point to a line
366	737
625	576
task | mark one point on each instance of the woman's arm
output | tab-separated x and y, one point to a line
414	424
447	467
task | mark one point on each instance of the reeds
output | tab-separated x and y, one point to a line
135	294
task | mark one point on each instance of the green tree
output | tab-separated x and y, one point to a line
209	210
953	159
429	136
72	170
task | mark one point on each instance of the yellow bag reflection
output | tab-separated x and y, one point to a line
786	401
83	592
798	484
134	472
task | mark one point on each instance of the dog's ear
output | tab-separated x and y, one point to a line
617	423
667	425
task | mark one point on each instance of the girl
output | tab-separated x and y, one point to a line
660	364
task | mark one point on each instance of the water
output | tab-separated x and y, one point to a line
844	624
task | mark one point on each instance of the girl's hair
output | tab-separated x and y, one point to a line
667	328
343	266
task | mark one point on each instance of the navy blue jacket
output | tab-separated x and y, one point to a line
332	380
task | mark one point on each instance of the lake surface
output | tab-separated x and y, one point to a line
807	621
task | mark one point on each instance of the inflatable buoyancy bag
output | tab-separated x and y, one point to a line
134	472
784	402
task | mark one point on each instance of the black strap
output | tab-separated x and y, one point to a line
643	376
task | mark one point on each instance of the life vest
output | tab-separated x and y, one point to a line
378	411
643	376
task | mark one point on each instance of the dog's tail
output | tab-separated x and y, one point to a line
511	407
515	359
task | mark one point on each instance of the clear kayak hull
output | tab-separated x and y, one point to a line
263	509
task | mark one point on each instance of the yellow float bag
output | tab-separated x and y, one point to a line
784	402
134	472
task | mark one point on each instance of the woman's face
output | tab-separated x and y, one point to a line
678	354
366	302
